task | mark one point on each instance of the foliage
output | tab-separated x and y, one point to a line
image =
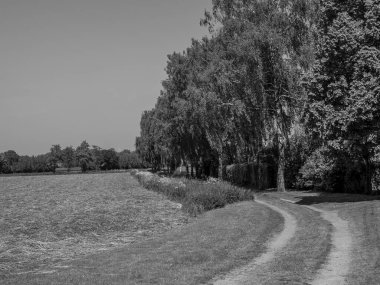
83	155
130	160
344	86
11	158
206	196
110	160
229	97
68	156
195	196
317	171
55	156
299	149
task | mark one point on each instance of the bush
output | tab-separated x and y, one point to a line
331	172
317	170
205	196
194	195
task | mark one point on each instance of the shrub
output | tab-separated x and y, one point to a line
316	171
196	196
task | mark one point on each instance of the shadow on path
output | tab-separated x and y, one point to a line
318	198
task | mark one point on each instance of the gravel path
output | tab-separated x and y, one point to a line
244	275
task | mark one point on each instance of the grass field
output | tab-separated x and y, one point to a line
212	244
47	220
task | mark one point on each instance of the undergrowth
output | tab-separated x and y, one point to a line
195	196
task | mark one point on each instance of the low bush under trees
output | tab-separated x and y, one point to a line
195	196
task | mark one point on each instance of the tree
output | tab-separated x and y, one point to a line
272	41
110	160
344	85
83	155
68	157
12	158
96	153
4	166
55	156
128	160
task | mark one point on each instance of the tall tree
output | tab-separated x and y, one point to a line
275	35
344	87
12	158
83	155
110	160
68	157
55	156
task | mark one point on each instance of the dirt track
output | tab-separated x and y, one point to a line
329	240
243	275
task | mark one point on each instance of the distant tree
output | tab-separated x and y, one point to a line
97	156
2	162
24	164
344	87
128	160
40	163
12	158
55	156
68	157
4	166
84	156
110	160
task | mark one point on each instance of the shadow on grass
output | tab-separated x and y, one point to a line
335	198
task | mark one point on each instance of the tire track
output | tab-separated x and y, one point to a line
338	263
242	275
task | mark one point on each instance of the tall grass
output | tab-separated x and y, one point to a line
195	196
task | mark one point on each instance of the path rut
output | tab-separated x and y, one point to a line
243	275
337	266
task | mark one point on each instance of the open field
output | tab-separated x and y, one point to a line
46	220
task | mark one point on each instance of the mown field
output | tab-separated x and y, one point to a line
49	220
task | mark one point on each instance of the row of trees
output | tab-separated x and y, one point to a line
283	79
84	156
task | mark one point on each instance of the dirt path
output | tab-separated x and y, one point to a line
243	275
338	263
337	266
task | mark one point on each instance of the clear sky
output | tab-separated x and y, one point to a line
73	70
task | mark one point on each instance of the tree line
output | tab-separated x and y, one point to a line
87	158
291	83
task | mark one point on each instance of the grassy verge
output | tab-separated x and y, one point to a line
213	244
195	196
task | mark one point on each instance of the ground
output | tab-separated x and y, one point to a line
282	238
47	220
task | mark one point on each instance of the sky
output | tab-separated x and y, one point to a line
74	70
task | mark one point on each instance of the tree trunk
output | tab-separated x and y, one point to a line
258	179
368	176
187	170
281	165
221	166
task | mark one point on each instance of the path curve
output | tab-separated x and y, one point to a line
242	275
338	263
